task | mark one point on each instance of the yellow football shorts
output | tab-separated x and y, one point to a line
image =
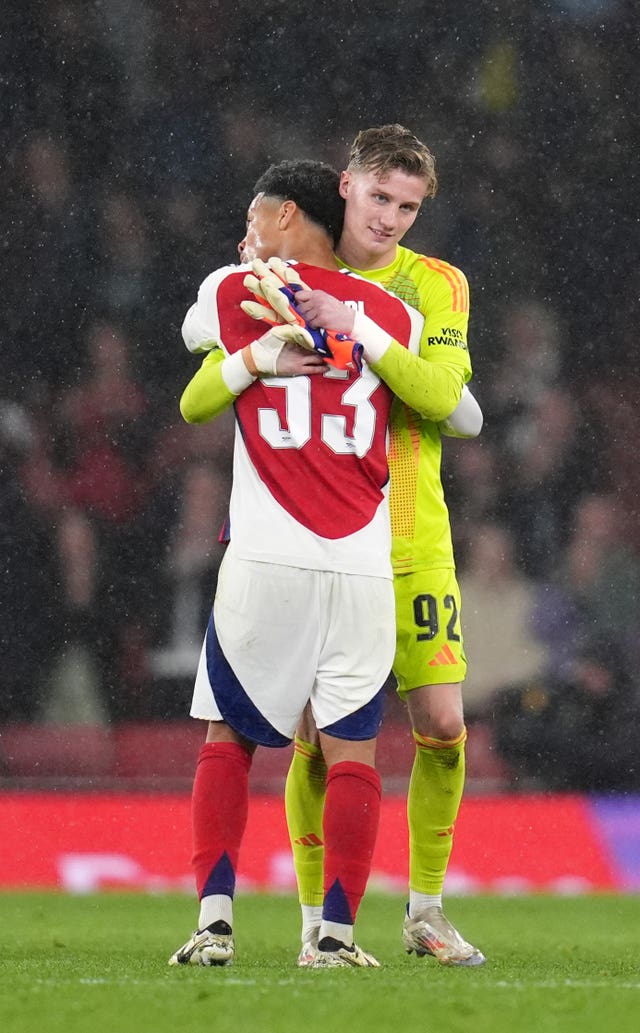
429	649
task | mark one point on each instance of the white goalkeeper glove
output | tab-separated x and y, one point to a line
265	351
276	284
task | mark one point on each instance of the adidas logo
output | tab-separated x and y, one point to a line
444	658
309	840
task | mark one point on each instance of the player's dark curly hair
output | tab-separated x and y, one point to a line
313	185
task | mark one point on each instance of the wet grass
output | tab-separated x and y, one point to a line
100	963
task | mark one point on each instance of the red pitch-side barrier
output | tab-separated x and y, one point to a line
86	842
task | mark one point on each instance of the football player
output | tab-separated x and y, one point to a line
389	175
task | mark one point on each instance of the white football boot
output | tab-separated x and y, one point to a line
211	946
432	933
308	953
335	954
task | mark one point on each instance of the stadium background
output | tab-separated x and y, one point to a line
133	135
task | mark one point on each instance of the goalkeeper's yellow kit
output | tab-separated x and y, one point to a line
428	638
429	648
419	515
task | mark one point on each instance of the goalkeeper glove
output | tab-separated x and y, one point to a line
265	351
339	350
277	283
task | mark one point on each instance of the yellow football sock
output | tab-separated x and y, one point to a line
304	794
435	791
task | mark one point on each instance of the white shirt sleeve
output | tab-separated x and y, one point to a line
201	326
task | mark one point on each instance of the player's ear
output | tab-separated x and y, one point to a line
286	213
345	179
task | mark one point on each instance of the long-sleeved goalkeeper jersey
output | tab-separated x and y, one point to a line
419	516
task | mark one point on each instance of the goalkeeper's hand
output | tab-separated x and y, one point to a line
264	356
339	350
276	283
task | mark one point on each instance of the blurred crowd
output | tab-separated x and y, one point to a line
133	136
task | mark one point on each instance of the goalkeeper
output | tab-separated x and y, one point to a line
389	175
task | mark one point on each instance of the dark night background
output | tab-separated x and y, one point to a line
132	136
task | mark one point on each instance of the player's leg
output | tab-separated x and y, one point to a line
358	647
304	796
248	633
435	788
350	827
430	666
219	814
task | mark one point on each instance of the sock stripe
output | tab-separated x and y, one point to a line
439	744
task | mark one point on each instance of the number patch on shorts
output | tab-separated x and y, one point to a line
429	616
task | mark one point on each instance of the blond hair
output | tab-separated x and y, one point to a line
385	148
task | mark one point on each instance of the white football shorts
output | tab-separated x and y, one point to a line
280	636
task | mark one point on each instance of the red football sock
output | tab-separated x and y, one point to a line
351	818
219	807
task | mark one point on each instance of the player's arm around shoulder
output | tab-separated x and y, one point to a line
443	292
433	383
432	389
445	301
207	394
394	356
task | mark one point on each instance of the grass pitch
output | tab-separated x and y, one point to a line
99	963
